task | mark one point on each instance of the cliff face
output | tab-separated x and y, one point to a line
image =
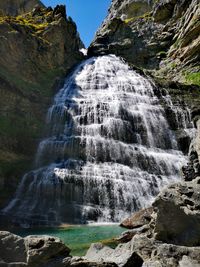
16	7
36	50
158	35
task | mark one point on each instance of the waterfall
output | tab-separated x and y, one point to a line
108	152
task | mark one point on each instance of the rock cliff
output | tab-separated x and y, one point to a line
162	36
36	49
17	7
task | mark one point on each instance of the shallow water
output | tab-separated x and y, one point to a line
78	238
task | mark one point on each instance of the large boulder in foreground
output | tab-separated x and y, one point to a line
31	251
122	255
157	254
12	248
178	214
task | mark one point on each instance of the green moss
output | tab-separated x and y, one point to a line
37	24
193	78
145	16
173	65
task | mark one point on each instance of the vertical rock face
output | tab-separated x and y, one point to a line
36	50
16	7
162	35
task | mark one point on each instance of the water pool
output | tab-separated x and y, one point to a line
78	238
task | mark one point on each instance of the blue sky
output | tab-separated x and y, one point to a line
88	15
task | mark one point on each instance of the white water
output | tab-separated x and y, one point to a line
108	152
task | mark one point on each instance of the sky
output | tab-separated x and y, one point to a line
88	15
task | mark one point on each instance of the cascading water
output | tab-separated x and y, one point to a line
109	149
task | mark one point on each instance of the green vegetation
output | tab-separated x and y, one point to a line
37	24
193	78
135	9
145	16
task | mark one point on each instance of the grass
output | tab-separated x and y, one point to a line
193	78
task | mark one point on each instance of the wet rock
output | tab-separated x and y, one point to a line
192	169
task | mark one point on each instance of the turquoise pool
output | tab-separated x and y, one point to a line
78	238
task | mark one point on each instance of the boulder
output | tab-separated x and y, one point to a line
122	255
82	262
32	251
12	248
138	219
157	254
128	235
178	214
44	248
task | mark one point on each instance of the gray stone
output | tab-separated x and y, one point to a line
12	248
158	254
32	251
44	248
121	255
188	262
178	214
